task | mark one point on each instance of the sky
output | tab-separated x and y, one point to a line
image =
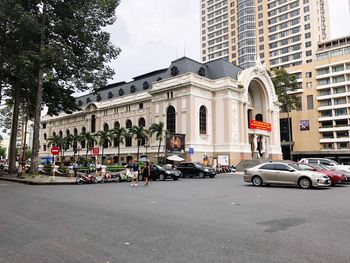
153	33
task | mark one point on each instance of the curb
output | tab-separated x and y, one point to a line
30	182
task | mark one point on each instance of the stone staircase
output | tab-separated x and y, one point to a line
245	164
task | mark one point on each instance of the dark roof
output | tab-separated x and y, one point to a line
213	70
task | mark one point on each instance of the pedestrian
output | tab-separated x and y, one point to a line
98	168
135	173
146	172
75	168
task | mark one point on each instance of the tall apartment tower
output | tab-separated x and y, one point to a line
283	33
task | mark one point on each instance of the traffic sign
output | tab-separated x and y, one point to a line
95	151
55	150
191	151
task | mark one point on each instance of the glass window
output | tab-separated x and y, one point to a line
128	139
171	119
268	166
203	120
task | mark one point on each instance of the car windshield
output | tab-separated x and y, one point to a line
198	164
159	167
305	167
334	162
296	166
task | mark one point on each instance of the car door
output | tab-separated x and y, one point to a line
154	172
184	169
267	171
193	170
284	174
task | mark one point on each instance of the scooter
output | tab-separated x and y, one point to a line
86	179
110	177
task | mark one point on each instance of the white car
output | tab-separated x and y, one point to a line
327	162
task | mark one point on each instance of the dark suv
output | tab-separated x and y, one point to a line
196	169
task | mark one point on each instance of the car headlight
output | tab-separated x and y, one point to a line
206	170
167	172
318	176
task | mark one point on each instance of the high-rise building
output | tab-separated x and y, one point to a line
321	127
283	33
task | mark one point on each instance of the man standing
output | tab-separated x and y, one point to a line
135	173
75	168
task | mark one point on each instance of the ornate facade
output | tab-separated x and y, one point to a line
213	104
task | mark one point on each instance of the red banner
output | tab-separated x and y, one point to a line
259	125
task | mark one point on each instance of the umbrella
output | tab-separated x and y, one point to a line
175	158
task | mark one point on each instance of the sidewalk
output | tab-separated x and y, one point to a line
39	180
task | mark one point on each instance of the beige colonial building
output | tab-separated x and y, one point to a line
212	104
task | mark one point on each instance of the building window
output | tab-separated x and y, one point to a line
115	141
44	125
142	123
45	136
140	106
310	102
299	105
128	139
127	108
44	146
203	120
171	119
93	123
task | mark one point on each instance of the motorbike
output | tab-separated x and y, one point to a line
86	179
111	177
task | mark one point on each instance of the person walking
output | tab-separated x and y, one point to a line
98	169
135	173
146	172
75	168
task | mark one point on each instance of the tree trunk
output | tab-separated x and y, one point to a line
160	141
138	150
39	98
118	152
14	128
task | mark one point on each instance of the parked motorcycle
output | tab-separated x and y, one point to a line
86	179
111	177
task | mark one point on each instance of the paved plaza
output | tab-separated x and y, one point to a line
190	220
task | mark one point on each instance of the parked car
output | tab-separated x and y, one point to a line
192	169
285	173
162	173
327	162
335	178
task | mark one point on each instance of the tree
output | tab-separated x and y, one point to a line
2	152
73	141
285	84
140	133
104	140
72	54
119	134
90	139
158	130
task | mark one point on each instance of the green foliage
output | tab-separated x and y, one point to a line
285	84
2	152
158	130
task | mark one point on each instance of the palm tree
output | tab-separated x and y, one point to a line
90	139
104	140
73	141
119	134
140	133
158	129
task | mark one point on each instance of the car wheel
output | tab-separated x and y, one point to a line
175	178
257	181
117	179
305	183
201	175
162	177
211	176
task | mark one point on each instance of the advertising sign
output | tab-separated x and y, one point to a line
223	160
175	143
191	151
95	151
304	125
260	125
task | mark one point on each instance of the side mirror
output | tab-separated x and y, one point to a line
290	170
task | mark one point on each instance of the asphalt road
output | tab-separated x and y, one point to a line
191	220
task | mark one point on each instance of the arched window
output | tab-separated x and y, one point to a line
128	139
142	123
83	143
115	141
171	119
116	125
67	132
75	131
60	133
53	134
93	123
259	117
202	120
105	128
